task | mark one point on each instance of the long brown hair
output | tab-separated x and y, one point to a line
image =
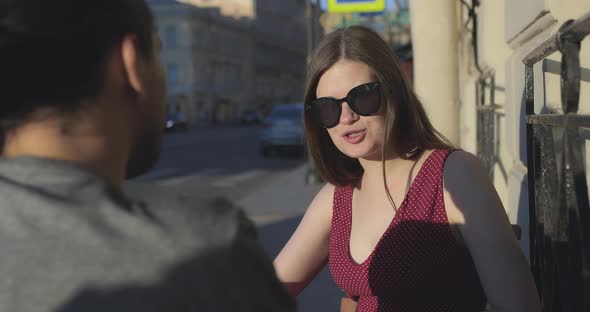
408	130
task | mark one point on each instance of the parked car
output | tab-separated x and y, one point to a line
176	121
250	117
283	130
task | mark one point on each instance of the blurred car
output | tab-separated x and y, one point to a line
283	130
250	117
176	121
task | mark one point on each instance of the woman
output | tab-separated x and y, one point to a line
406	222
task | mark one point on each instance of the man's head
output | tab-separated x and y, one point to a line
68	59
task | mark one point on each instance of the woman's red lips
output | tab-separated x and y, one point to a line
354	136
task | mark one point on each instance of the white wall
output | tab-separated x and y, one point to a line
492	52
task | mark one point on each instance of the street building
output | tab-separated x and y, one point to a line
224	58
279	36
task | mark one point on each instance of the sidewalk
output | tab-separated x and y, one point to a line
277	208
281	198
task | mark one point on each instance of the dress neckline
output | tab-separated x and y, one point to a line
395	218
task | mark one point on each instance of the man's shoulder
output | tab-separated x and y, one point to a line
140	254
215	218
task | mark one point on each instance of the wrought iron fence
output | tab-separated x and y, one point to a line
488	114
558	192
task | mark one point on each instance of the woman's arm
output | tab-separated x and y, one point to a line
306	253
474	206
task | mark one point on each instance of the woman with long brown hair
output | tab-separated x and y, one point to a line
406	221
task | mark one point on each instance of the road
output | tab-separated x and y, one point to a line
214	162
205	163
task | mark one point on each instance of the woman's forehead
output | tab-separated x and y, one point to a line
341	77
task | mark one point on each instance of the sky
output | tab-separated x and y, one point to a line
390	4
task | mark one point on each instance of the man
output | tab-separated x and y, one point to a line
81	108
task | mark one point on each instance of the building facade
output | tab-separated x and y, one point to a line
174	21
279	36
226	57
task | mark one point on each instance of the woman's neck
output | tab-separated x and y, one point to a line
397	170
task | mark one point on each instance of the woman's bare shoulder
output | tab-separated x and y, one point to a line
460	159
324	198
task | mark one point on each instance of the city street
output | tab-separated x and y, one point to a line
225	162
215	162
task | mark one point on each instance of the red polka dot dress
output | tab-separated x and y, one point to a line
417	265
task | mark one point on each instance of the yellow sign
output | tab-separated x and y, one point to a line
346	6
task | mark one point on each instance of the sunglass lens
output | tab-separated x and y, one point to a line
326	112
366	100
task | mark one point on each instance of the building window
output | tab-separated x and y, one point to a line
172	74
170	37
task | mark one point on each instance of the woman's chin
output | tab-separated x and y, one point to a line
363	154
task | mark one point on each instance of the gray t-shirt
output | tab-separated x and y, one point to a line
71	242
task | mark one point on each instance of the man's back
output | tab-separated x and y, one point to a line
71	242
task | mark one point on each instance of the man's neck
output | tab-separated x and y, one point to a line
82	145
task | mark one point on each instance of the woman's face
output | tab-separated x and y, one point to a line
355	136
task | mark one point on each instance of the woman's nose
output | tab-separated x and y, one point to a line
348	116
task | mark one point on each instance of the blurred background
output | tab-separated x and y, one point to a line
236	74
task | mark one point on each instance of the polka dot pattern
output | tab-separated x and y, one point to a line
417	265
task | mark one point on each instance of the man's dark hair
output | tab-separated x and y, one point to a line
53	53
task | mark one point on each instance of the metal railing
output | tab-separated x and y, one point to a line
489	113
559	209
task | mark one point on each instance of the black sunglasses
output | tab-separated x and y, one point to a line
364	100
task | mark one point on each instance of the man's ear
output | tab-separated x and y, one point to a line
133	64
